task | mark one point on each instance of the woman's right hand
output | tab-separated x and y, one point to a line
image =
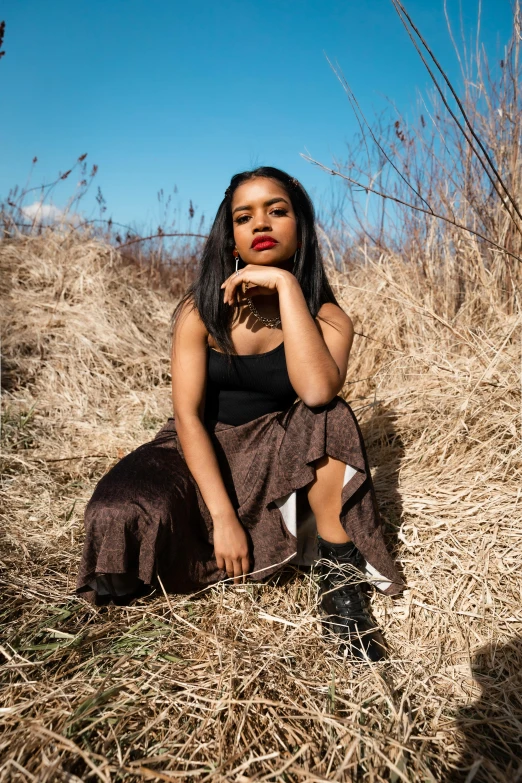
231	548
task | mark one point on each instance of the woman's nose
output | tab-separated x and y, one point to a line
261	222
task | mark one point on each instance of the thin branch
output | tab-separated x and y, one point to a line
411	206
401	10
154	236
80	456
357	109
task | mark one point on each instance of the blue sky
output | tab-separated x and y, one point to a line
164	93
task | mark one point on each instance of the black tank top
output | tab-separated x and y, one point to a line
241	388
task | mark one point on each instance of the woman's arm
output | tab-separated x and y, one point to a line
189	370
316	350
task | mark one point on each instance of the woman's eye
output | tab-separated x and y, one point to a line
278	212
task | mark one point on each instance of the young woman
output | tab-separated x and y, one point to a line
263	464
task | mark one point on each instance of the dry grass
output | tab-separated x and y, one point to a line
239	685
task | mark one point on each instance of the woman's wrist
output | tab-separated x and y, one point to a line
286	280
289	290
224	518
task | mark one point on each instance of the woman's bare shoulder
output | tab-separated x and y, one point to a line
188	322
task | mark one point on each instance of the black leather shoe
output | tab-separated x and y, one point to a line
344	604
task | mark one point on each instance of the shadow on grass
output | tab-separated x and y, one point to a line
491	726
385	452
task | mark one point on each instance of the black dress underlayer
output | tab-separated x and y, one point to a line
243	387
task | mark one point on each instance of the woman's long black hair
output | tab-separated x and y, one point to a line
217	262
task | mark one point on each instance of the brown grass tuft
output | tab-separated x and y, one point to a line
239	685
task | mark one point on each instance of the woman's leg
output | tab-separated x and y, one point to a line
143	522
324	496
343	594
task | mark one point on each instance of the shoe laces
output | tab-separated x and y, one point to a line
350	596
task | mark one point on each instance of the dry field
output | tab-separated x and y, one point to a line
239	685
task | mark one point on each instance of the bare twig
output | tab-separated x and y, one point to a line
156	236
415	207
492	172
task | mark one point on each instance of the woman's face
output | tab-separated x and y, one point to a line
265	226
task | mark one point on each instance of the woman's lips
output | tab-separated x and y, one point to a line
264	244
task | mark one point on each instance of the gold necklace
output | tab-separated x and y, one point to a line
272	323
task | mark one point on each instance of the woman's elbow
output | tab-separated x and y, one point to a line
315	398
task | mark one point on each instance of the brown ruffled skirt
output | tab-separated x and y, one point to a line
147	518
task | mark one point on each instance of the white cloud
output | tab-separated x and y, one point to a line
47	213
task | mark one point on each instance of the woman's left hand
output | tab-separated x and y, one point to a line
258	280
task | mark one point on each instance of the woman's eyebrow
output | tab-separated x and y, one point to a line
266	204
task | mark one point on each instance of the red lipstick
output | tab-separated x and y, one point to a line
263	242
